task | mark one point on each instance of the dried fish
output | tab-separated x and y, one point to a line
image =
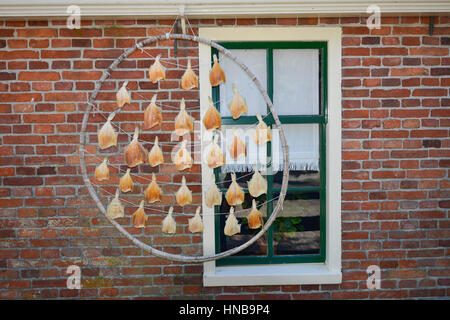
183	122
102	171
262	132
232	225
215	157
195	223
135	153
182	158
155	156
168	224
115	208
183	195
139	218
216	75
237	148
213	197
157	71
126	183
153	192
122	95
238	106
255	219
212	119
152	115
107	136
257	184
189	80
234	195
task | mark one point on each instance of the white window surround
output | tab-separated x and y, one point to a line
307	273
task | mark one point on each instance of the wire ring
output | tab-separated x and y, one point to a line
84	139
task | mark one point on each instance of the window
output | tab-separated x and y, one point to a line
300	68
294	75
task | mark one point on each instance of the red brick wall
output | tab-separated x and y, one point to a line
395	160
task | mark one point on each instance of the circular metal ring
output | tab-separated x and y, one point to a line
138	243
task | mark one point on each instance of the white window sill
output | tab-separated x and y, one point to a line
283	274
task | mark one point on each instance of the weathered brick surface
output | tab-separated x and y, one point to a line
395	167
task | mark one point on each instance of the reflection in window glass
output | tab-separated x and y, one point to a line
259	248
297	229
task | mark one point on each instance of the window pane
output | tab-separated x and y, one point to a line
259	248
298	178
255	60
296	81
297	229
303	142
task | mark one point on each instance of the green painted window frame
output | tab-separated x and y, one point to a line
321	119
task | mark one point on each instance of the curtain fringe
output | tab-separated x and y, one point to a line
293	165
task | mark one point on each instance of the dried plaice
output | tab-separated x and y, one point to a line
157	71
102	171
255	219
262	131
135	153
122	96
183	121
216	75
234	195
168	224
139	218
183	195
195	223
155	156
237	148
214	156
182	158
107	136
126	183
153	193
152	115
257	184
115	208
213	197
212	119
238	106
232	225
189	80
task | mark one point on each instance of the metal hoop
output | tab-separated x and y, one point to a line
138	243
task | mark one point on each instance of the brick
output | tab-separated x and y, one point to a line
427	51
39	76
409	71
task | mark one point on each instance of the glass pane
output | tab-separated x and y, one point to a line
256	155
303	142
259	248
298	178
297	229
296	81
255	60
